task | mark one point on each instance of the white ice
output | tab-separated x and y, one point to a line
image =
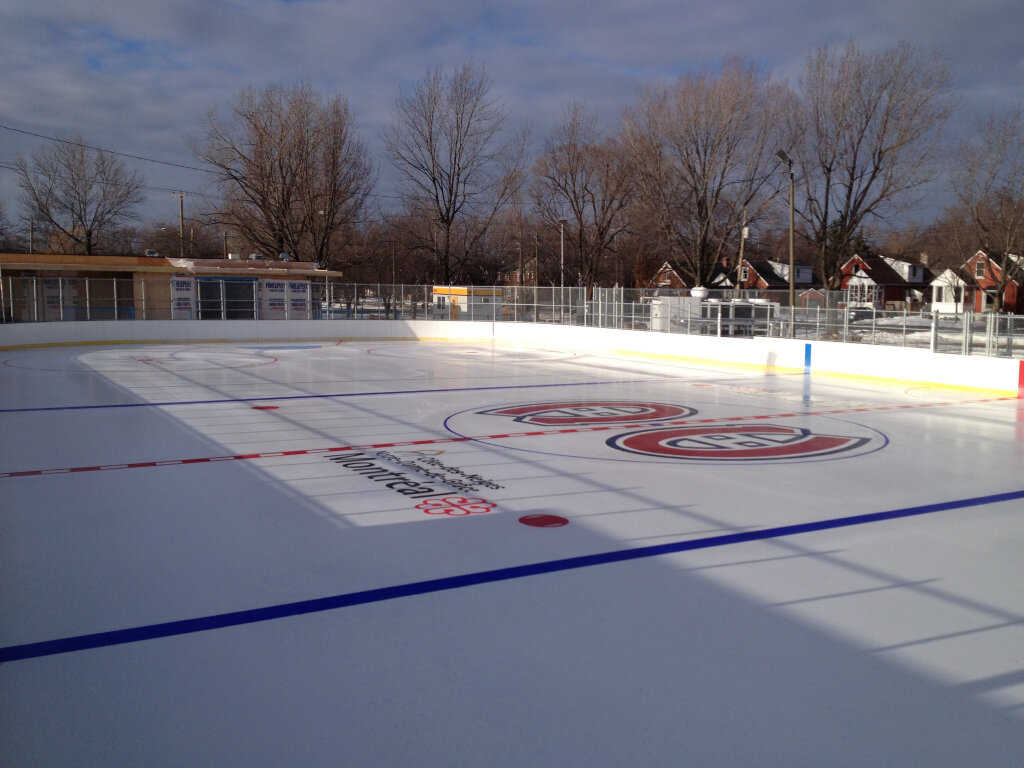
898	642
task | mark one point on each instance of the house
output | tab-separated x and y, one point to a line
983	274
768	275
516	277
884	282
667	277
947	291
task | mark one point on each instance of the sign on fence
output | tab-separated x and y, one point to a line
298	299
59	298
183	297
273	299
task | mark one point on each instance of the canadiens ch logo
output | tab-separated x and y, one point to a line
656	431
585	412
738	443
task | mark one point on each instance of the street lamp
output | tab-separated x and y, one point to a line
792	297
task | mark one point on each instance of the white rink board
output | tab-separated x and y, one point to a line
772	354
308	553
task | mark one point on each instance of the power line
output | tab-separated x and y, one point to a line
107	151
8	167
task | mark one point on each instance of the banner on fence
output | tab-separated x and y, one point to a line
59	298
183	297
298	299
273	299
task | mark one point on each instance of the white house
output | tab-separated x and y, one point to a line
948	292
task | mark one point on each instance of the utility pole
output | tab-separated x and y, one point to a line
181	221
739	263
784	157
561	267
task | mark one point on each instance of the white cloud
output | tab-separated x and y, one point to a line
138	75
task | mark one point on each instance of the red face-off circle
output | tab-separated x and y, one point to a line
543	521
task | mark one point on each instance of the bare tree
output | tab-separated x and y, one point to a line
77	193
293	175
454	168
703	153
989	186
584	177
864	131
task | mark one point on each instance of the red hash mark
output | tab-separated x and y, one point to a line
455	506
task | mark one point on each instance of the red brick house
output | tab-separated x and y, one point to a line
667	277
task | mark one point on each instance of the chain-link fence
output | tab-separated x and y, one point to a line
819	315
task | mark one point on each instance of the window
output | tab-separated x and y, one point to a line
861	293
744	273
979	268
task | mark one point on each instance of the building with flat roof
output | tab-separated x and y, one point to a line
46	286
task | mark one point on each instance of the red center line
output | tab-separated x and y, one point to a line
444	440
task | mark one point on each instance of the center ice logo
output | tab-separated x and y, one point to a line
667	432
737	443
584	412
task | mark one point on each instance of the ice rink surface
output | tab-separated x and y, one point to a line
446	554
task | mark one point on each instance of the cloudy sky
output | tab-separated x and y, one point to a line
137	76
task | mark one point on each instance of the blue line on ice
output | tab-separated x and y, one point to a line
269	613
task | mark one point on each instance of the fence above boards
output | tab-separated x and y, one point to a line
743	314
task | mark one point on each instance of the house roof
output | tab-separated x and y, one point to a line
885	270
998	259
663	277
953	277
876	269
766	271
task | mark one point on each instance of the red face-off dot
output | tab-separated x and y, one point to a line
543	521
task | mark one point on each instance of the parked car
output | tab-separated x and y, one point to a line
856	315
